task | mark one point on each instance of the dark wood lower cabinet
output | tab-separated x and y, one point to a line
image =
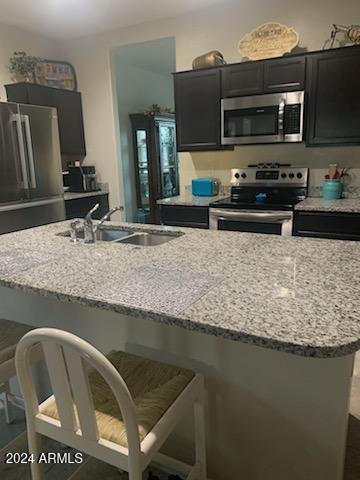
185	216
339	226
78	207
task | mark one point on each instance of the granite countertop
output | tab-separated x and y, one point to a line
345	205
293	294
76	195
190	200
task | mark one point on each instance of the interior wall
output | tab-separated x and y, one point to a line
13	39
137	88
221	28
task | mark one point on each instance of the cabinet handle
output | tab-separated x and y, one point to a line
291	84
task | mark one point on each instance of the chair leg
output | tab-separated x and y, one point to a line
135	475
200	438
34	443
7	406
135	472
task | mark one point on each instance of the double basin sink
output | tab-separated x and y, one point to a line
140	238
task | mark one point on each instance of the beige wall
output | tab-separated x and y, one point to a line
220	28
13	39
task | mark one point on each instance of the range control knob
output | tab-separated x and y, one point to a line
237	175
283	175
243	175
299	175
291	175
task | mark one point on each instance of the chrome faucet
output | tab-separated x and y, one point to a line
107	216
90	229
89	234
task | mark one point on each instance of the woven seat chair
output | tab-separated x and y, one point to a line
119	409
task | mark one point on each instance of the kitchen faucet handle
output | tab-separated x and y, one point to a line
74	230
90	212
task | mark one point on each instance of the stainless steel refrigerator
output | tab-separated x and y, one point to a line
31	188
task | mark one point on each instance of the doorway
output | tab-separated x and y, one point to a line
143	80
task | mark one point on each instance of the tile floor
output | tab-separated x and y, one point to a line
95	469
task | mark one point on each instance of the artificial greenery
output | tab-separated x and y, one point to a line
155	108
22	64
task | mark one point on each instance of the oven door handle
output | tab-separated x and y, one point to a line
264	217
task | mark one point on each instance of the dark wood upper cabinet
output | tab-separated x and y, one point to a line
69	109
284	74
198	110
333	86
243	79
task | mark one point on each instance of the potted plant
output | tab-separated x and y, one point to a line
22	67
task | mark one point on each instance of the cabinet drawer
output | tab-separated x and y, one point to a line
185	216
341	226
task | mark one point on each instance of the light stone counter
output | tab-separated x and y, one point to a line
190	200
290	294
343	205
260	316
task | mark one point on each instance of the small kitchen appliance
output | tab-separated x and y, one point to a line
205	187
83	178
262	199
270	118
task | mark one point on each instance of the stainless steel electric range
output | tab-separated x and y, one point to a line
262	199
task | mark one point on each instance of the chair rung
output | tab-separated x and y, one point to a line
172	464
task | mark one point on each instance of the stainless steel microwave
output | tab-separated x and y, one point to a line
273	118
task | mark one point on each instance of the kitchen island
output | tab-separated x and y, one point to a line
272	322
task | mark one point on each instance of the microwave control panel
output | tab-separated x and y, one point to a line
292	118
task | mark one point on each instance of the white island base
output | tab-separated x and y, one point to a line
271	415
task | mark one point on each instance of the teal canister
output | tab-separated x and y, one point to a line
332	189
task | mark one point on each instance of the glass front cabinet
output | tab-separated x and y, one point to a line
155	162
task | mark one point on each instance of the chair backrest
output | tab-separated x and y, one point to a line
67	358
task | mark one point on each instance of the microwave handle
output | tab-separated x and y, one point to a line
281	117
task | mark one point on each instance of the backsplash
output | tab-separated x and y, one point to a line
219	164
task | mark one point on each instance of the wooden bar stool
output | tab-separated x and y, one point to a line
10	334
119	409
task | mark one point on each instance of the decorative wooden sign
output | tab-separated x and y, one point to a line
53	73
268	41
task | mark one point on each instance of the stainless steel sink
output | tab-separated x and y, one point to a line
147	239
104	234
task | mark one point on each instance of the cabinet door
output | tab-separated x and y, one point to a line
243	79
71	126
198	110
69	109
334	91
284	75
185	216
339	226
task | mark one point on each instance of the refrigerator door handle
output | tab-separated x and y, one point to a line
30	151
20	138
